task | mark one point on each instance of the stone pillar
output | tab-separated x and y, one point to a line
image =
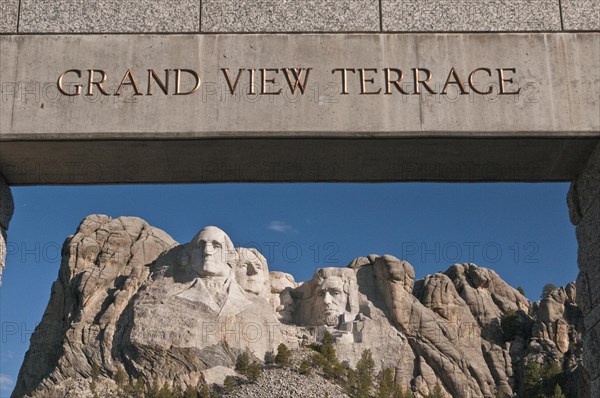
6	212
584	208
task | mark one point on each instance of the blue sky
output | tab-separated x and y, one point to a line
520	230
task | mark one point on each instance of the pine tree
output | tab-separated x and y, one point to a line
95	371
253	372
138	388
327	348
548	288
365	367
500	394
351	382
284	356
204	392
154	391
533	379
242	363
400	392
121	378
437	392
385	389
165	392
558	393
305	367
551	376
190	392
230	384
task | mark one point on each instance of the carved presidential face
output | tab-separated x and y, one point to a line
211	252
252	272
331	300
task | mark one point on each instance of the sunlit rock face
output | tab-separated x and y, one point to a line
128	296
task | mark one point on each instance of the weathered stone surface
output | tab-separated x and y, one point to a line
588	236
290	16
486	294
548	64
108	16
103	266
7	205
6	211
470	15
591	352
588	281
129	297
585	189
9	12
555	315
580	14
584	207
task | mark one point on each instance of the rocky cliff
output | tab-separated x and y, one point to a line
129	298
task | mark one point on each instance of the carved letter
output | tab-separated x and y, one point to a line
252	79
178	81
91	82
78	87
454	74
472	83
424	82
344	78
163	86
132	82
363	81
297	76
503	80
263	86
389	82
233	86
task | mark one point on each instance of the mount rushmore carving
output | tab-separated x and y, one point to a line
128	296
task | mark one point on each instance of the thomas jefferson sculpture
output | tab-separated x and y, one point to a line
252	272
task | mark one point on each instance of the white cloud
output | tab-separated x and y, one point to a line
280	226
6	382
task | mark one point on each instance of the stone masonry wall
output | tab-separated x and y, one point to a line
584	206
6	212
227	16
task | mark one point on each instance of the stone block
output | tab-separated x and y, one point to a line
589	280
588	237
6	212
592	318
470	15
587	184
290	16
6	203
591	352
573	204
595	385
9	11
584	295
581	14
109	16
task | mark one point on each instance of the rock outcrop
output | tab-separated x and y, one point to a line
7	208
129	298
